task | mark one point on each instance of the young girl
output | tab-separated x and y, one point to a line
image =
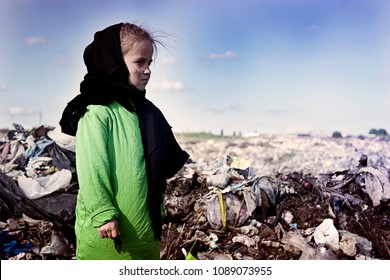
125	149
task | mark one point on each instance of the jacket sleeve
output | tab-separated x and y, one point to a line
93	169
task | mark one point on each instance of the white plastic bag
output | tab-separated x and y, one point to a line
36	188
326	233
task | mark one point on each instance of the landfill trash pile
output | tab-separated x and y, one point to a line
280	197
292	153
38	190
269	197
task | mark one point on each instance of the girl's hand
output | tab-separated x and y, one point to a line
109	230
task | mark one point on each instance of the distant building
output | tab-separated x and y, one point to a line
251	134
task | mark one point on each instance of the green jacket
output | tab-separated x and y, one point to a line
112	184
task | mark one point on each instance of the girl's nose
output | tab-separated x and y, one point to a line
147	70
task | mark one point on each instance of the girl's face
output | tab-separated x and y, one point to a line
138	62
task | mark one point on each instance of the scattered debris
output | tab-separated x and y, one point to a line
38	190
305	198
267	197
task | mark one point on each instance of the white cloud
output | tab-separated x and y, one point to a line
169	85
21	111
35	40
3	87
225	55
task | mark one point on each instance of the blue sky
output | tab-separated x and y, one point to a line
272	66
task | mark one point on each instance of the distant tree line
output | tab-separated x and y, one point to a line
378	132
337	134
373	131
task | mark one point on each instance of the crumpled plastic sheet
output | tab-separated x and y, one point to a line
39	187
327	234
352	244
295	239
236	210
376	183
4	148
241	201
11	247
63	158
55	207
65	141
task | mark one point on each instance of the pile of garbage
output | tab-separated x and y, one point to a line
38	190
223	208
269	197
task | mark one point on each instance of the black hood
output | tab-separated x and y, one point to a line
103	57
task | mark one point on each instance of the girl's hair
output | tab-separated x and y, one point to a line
132	34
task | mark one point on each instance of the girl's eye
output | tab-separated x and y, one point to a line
142	62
